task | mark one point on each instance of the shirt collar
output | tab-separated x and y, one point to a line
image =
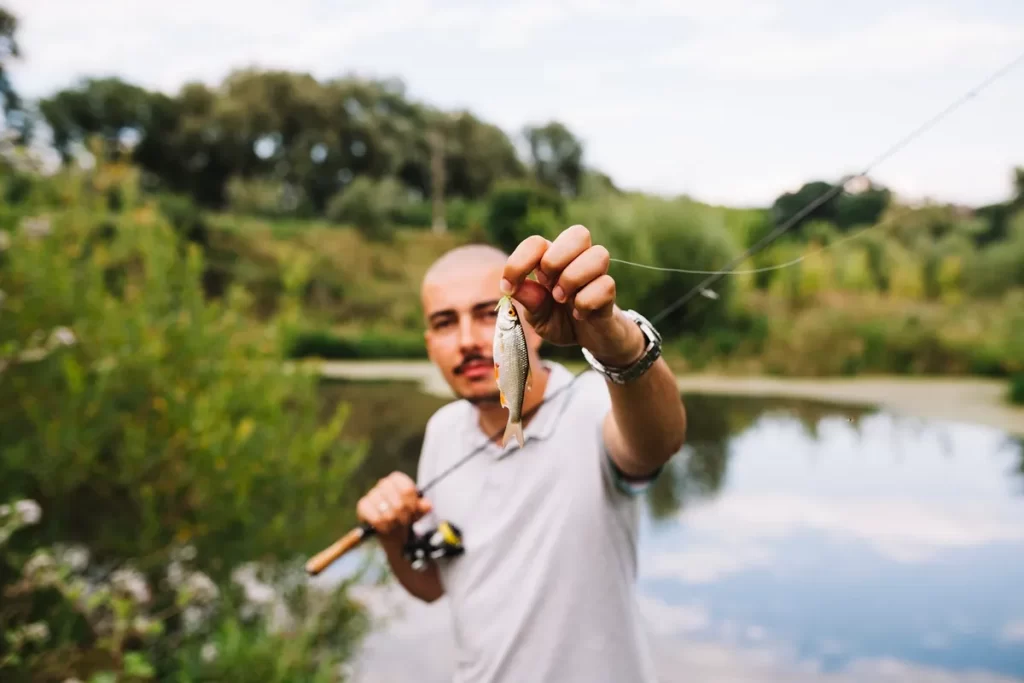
543	423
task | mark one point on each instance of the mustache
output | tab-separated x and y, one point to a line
461	368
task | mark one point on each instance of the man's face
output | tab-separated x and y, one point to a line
460	311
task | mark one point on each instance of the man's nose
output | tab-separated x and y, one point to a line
468	334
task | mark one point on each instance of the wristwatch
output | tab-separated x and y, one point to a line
652	351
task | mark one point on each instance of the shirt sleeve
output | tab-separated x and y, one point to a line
594	393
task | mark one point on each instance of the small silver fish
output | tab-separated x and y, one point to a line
511	367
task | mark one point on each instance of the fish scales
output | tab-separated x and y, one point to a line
511	367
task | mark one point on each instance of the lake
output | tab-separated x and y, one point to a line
791	540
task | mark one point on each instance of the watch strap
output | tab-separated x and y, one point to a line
630	373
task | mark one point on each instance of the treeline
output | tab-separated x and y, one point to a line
295	143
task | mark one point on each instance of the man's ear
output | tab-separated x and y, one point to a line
426	343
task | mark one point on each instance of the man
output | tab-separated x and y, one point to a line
544	591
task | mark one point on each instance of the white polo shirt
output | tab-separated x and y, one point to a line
545	590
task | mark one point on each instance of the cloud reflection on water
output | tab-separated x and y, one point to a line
815	547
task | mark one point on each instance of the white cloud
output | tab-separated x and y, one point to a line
1013	632
902	530
706	563
671	620
417	645
907	41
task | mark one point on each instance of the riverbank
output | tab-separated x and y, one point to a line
971	400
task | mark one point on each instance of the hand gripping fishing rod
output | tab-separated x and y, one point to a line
364	531
357	535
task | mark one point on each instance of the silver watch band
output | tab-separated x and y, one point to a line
632	372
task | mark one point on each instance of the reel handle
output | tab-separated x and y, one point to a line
328	555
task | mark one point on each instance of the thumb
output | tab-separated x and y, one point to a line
423	506
534	297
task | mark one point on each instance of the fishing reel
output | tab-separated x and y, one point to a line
445	540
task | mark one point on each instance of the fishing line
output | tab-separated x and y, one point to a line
838	187
354	537
751	271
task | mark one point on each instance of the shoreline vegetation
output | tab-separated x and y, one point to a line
971	400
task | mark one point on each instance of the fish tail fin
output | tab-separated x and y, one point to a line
513	429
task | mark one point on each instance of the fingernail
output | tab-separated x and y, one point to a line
505	286
558	294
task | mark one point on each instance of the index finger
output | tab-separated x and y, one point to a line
522	262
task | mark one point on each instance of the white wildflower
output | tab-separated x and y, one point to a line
202	587
36	227
145	626
4	510
192	618
29	511
131	582
184	554
38	564
63	336
175	574
208	652
38	631
76	558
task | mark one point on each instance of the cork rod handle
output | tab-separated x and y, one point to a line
328	555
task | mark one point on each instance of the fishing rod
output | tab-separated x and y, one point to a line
364	531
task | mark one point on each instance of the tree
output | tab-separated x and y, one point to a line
845	210
9	50
556	157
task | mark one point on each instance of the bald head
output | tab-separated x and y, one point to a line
460	293
464	257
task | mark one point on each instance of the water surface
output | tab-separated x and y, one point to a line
789	541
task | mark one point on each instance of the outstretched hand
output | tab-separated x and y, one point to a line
573	298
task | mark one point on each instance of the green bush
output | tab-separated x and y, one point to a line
368	345
518	209
1017	389
185	217
372	206
145	419
680	235
267	197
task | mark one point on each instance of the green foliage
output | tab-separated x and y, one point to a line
518	209
992	270
10	100
166	416
170	445
556	157
845	210
1017	389
371	206
185	217
266	197
367	344
676	235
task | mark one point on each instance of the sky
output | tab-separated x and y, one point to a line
728	101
